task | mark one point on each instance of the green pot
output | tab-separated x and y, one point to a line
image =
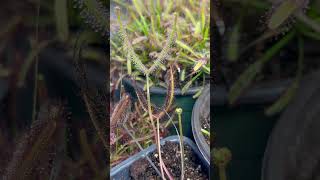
245	131
158	95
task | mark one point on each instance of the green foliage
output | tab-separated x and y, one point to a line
284	100
282	13
61	14
250	73
191	36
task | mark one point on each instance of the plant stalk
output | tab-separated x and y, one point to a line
179	112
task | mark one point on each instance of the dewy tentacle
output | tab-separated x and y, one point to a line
120	111
128	49
166	50
132	56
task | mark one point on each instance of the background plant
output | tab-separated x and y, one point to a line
147	25
251	54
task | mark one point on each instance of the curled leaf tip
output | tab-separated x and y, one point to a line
179	111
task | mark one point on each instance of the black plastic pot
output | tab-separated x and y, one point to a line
121	171
201	108
184	101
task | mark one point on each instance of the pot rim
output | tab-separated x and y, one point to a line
163	91
196	125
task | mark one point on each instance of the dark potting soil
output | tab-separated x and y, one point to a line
171	156
205	124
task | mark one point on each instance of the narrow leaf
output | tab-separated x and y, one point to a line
250	73
282	13
61	15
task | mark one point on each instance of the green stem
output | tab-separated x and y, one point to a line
35	90
179	112
222	172
157	136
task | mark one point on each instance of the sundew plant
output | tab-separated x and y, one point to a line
147	24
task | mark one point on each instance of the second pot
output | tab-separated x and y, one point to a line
158	95
201	109
122	170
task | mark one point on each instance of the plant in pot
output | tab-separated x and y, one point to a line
259	73
180	162
147	25
140	127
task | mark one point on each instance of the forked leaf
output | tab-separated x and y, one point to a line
166	50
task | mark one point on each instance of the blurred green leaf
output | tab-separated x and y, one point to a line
189	83
61	15
186	47
282	13
250	73
30	60
285	99
199	92
233	44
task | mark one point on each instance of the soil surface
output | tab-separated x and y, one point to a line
193	170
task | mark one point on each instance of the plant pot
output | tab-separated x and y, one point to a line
158	94
121	171
201	107
295	136
244	128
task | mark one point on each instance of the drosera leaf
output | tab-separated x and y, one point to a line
189	83
250	73
127	47
199	92
168	47
186	47
190	16
285	99
203	15
61	15
282	13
